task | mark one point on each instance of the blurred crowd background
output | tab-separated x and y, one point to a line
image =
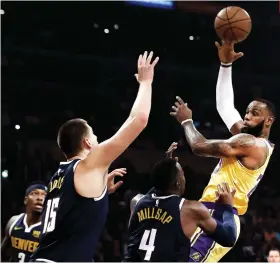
62	60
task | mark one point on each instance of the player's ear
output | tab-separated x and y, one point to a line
87	143
25	200
269	121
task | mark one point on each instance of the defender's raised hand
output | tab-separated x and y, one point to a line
181	111
146	67
171	149
226	52
225	195
112	187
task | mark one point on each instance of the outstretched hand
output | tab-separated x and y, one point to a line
111	185
226	52
146	67
181	111
171	149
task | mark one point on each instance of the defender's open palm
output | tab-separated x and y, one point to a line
146	67
225	194
226	52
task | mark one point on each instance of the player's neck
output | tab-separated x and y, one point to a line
264	134
32	218
81	155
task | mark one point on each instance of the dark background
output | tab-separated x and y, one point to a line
57	64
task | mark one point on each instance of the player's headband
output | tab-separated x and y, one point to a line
34	187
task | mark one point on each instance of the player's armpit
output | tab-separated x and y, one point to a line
222	232
239	145
107	151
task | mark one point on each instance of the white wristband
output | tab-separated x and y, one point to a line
226	64
185	121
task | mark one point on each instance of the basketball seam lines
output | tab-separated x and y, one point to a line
230	28
241	29
234	14
244	19
227	15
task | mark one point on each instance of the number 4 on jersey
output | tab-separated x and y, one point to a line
50	217
149	248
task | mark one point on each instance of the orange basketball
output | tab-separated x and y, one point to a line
233	24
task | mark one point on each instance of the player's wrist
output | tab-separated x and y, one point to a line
226	65
186	121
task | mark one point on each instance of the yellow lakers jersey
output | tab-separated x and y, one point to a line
244	180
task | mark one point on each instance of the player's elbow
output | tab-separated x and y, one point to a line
141	119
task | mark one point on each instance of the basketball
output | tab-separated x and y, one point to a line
233	24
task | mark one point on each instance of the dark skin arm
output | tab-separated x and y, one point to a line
194	214
239	145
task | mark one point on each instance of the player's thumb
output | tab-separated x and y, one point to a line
217	44
136	76
239	55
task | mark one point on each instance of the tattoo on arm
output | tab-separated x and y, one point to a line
235	146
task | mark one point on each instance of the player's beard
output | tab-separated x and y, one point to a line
255	131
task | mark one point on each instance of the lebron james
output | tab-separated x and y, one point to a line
243	158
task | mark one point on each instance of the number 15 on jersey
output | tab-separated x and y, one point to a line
50	217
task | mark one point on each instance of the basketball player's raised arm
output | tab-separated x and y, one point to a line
110	149
239	145
224	88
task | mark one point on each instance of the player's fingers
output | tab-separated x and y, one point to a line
144	59
173	114
238	55
174	108
233	191
155	61
118	174
121	170
179	100
220	189
176	159
117	185
139	61
226	187
177	104
217	194
136	76
149	58
217	44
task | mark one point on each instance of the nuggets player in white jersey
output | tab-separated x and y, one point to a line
23	230
243	158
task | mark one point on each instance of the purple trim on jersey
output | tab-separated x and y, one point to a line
218	207
201	248
202	244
